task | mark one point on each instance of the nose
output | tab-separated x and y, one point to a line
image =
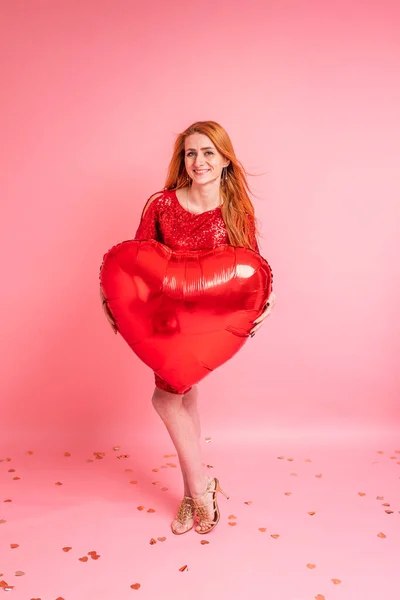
199	161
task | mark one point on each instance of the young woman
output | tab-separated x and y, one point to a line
204	204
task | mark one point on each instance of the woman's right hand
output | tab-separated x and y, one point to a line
107	312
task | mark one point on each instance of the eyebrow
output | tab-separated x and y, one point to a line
206	148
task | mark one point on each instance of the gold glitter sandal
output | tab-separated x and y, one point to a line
201	509
185	514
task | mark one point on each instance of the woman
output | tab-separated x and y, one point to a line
204	204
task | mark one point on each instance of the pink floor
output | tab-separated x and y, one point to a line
305	520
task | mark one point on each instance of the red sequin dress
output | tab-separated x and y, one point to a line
166	221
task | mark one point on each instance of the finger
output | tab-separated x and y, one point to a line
262	317
255	329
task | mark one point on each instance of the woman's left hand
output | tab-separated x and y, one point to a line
266	312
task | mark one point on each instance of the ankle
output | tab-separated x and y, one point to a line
200	487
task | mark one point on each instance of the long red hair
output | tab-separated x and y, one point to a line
237	209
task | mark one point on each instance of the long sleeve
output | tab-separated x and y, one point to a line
254	243
148	227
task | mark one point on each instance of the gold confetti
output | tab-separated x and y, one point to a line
379	451
151	510
319	597
2	521
6	587
116	448
133	482
128	470
184	568
94	556
290	459
19	573
210	466
319	475
11	470
379	497
336	581
140	507
8	500
123	456
249	502
288	493
312	513
135	586
204	542
362	494
155	470
208	439
155	482
89	460
164	489
67	454
232	523
67	548
262	529
307	460
232	517
16	478
310	566
13	546
389	512
99	455
281	457
169	455
83	559
161	539
58	483
385	504
29	452
381	535
275	536
153	541
172	465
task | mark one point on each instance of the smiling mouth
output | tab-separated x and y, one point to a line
201	172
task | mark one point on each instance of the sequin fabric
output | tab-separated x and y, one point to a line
164	219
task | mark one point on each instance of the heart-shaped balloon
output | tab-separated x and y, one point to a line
184	313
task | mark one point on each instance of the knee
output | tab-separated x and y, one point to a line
191	396
165	402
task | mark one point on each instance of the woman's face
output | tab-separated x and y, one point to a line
203	162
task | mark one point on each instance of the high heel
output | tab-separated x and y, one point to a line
201	509
185	514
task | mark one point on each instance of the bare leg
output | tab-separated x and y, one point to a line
182	423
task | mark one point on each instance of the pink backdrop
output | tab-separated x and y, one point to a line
93	94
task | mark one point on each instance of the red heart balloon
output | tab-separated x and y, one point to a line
184	313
